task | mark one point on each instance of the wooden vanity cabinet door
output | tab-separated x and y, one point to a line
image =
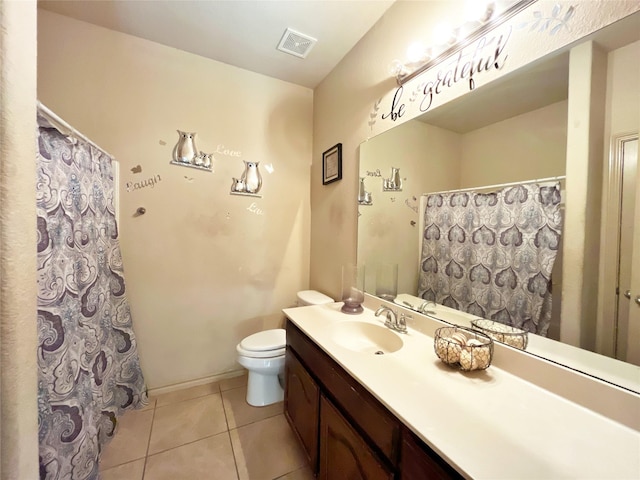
302	406
374	421
419	462
344	455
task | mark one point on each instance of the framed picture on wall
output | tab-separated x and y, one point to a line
332	164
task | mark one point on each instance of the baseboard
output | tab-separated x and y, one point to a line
154	392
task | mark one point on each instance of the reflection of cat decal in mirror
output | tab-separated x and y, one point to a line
251	177
185	150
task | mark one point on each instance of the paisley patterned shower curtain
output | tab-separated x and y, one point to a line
88	365
491	254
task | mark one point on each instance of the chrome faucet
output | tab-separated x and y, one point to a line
392	321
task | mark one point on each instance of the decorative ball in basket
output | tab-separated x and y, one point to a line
464	348
500	332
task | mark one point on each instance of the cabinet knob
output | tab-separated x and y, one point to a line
627	294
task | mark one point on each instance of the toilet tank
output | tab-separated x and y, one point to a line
312	297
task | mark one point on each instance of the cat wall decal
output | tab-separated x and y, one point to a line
185	150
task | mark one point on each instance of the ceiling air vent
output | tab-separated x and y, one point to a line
296	43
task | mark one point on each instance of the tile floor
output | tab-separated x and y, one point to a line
205	432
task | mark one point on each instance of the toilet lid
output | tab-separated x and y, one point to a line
266	340
313	297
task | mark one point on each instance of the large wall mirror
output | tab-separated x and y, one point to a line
515	129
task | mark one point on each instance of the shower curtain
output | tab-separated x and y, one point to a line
491	254
88	364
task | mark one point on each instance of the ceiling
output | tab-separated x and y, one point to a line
243	33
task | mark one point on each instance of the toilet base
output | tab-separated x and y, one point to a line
263	390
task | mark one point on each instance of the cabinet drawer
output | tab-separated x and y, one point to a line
419	462
364	412
343	453
302	406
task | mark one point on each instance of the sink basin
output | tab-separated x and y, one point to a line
366	338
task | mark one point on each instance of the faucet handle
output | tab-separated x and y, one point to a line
402	322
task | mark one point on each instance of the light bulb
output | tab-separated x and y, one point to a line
475	9
396	68
416	52
442	33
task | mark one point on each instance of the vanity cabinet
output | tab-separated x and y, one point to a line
344	454
346	432
302	406
418	461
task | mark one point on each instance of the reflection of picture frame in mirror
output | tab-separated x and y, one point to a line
332	164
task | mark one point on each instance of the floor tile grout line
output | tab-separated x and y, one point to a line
149	454
146	455
224	410
233	452
225	407
186	443
292	471
236	427
220	390
101	463
234	388
188	399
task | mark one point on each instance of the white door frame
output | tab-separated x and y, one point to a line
610	246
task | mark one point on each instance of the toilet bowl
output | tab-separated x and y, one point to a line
263	353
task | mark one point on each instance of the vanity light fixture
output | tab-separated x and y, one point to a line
482	16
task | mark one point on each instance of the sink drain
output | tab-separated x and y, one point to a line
379	352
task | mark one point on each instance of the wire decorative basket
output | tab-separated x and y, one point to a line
463	348
500	332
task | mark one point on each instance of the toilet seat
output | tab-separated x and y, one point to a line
264	354
265	344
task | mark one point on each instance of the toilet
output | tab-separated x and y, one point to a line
262	354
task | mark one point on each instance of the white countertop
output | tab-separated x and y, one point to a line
614	371
488	424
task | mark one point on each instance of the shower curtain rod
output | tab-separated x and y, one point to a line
501	185
60	122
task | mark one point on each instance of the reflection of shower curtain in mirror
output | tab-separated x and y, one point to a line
88	367
491	254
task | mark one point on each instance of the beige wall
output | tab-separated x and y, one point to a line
429	161
18	336
587	87
349	97
433	159
342	105
203	268
528	146
623	91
